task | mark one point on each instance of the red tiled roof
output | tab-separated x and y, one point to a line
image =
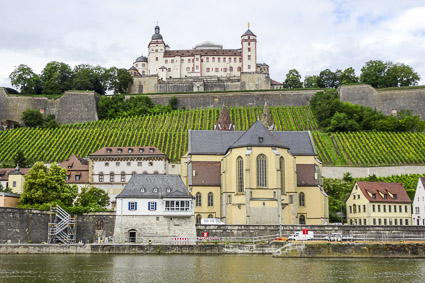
306	175
203	52
273	82
4	172
207	173
380	189
146	150
76	163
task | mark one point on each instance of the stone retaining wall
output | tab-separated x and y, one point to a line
358	172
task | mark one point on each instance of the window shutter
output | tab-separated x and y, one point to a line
135	205
155	205
128	205
149	205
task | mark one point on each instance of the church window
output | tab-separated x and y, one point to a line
302	219
218	59
198	200
231	69
239	69
282	174
210	199
249	57
261	171
302	199
216	70
208	70
239	174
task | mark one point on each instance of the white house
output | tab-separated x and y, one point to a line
418	215
155	209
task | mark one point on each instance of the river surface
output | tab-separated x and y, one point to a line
204	268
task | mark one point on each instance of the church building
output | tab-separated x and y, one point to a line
260	176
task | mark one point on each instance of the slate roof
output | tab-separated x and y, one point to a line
248	32
142	59
218	142
258	136
133	189
382	187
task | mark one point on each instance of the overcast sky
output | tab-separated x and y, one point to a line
308	35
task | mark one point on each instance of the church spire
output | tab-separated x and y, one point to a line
224	123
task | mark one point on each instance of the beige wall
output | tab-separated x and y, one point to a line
204	210
16	183
365	211
8	201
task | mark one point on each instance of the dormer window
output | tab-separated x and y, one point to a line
130	150
168	190
69	166
374	196
155	190
151	150
141	150
385	196
142	190
119	150
260	139
108	150
394	196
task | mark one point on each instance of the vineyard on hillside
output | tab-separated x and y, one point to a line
169	132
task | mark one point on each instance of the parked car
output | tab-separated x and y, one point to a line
211	221
339	237
299	236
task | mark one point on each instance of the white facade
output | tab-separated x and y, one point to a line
204	60
155	207
418	213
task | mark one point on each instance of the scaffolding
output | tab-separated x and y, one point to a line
62	228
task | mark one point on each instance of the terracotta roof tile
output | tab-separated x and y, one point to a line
384	192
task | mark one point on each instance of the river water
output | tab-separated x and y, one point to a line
204	268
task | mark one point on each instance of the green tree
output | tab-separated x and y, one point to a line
110	107
311	81
56	78
20	160
26	80
173	102
401	75
87	77
348	76
92	197
119	80
373	73
293	79
43	186
324	104
32	118
329	79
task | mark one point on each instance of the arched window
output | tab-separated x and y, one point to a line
198	201
210	216
239	174
210	199
122	176
302	199
112	177
282	174
302	219
261	171
101	177
198	219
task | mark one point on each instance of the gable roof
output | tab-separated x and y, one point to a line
258	136
380	189
133	189
217	142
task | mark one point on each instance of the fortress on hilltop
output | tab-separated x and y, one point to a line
206	67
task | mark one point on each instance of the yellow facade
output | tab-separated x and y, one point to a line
361	211
16	183
9	200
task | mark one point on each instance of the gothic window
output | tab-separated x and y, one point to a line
302	199
239	174
198	201
261	171
198	219
302	219
282	174
210	199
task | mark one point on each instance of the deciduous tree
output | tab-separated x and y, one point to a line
24	78
56	78
92	197
293	79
